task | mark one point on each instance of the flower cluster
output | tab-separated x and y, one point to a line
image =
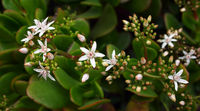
37	34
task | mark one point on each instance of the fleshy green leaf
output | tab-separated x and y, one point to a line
20	86
6	35
16	16
106	23
82	26
63	42
39	14
93	103
138	6
9	23
48	93
76	95
21	34
171	21
26	103
93	12
10	4
64	79
91	3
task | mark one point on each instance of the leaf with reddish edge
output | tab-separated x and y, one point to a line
93	103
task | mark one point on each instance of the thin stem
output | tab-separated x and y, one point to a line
66	54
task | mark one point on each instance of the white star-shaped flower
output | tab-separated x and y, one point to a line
29	36
168	40
44	72
90	54
43	49
41	27
111	61
176	77
188	56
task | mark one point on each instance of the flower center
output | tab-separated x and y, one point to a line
168	40
177	78
113	61
188	56
44	49
90	54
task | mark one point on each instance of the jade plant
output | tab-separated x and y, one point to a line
55	56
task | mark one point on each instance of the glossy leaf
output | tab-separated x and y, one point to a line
91	3
106	23
20	86
6	35
48	93
16	16
39	14
93	12
82	26
10	4
64	79
25	103
9	23
93	103
171	21
21	33
138	6
109	50
63	42
76	95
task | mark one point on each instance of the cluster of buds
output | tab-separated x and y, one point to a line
115	65
184	102
188	4
141	74
142	27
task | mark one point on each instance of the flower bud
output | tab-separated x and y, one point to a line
165	53
173	97
138	77
79	63
128	81
105	64
138	89
148	42
171	58
50	56
31	43
28	64
183	9
81	37
177	62
109	78
143	60
149	18
125	22
23	50
85	77
182	103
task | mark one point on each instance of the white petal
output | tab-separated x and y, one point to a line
174	40
51	77
82	58
45	42
40	43
170	77
38	70
92	61
44	56
99	54
187	61
45	21
107	61
164	44
172	35
48	49
182	57
176	85
171	44
109	67
50	24
184	52
113	54
25	40
85	77
94	46
179	72
191	52
37	51
193	57
51	28
32	27
183	81
41	33
165	36
41	65
83	49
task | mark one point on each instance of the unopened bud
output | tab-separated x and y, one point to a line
125	22
28	64
123	53
171	58
105	64
165	53
182	103
148	42
128	81
143	60
145	23
138	89
149	18
177	62
50	56
85	77
81	37
138	77
173	97
103	73
23	50
183	9
79	63
31	43
109	78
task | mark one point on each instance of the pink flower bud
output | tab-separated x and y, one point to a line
23	50
85	77
173	97
50	56
28	64
182	103
81	37
31	43
138	77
